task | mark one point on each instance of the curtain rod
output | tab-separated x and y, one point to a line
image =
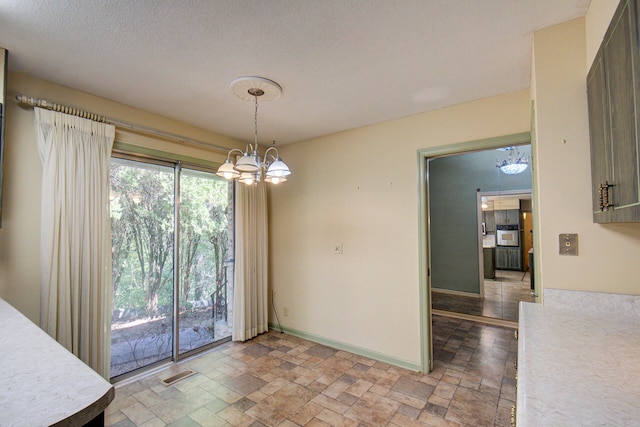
37	102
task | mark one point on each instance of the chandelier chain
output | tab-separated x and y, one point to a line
255	123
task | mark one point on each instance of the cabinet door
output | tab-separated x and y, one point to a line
599	134
514	260
502	262
513	216
490	222
508	258
621	64
488	257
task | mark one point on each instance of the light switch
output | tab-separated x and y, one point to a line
568	244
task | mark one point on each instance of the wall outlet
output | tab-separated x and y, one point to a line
285	311
568	244
337	248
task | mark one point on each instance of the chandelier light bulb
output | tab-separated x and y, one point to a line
247	178
275	179
227	171
278	169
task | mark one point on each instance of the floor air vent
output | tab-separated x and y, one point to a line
177	377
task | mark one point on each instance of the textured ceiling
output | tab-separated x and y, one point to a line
341	64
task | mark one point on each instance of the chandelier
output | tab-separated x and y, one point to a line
250	168
516	163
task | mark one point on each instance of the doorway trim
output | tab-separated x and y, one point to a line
424	254
480	243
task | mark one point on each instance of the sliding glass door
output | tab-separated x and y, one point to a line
172	236
206	270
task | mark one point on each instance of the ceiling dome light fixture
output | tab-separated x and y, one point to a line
250	169
516	163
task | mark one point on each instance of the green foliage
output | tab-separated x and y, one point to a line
142	219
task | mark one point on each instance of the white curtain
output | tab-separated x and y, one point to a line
75	248
250	313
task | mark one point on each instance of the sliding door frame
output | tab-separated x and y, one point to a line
176	260
164	159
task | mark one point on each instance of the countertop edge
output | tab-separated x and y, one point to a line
90	412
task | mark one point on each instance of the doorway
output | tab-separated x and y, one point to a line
462	249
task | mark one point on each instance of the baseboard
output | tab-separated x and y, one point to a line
459	293
381	357
482	319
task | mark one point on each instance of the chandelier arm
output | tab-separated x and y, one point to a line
231	151
267	152
270	159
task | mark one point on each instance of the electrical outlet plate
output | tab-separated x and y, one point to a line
568	244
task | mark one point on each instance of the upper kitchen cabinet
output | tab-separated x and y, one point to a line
509	216
613	87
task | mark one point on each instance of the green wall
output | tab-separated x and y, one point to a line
453	184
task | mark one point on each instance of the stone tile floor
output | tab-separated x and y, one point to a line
501	299
281	380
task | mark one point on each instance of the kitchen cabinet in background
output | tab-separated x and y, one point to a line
508	258
510	216
489	260
613	89
489	218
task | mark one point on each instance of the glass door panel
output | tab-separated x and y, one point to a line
206	271
142	234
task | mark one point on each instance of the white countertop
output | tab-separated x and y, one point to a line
41	383
577	368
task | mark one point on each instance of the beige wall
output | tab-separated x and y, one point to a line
360	188
596	22
607	253
19	236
